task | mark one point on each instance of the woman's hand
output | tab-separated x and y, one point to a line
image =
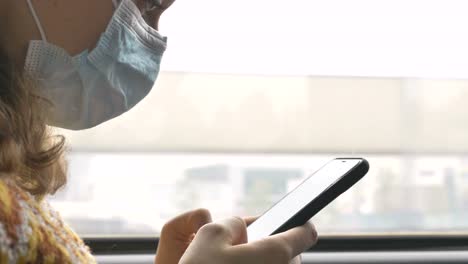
160	5
152	16
177	234
226	242
165	4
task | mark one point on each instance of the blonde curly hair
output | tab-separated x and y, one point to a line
29	154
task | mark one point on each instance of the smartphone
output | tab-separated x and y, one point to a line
309	197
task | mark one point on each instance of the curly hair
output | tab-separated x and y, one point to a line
29	154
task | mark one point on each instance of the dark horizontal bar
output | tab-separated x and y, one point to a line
143	245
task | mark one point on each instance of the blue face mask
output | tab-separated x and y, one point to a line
95	86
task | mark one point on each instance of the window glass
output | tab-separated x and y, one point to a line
256	95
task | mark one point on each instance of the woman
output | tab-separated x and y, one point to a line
76	64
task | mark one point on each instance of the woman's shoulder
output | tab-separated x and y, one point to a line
10	196
13	201
32	232
12	231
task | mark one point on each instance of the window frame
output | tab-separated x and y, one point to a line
341	243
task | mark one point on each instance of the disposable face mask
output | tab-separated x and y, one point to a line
95	86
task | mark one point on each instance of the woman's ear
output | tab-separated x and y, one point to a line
17	28
72	25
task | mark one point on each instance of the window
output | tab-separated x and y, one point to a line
256	95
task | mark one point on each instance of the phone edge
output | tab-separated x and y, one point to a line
326	197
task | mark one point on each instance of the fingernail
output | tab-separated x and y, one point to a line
314	233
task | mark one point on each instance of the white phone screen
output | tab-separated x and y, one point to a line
298	198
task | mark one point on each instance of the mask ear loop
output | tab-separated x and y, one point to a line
36	19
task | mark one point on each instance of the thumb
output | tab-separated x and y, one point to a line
231	231
177	234
296	260
188	223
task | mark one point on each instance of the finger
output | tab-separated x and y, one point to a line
280	248
250	219
197	219
296	260
298	239
227	232
188	223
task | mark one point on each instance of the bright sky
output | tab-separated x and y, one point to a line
409	38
